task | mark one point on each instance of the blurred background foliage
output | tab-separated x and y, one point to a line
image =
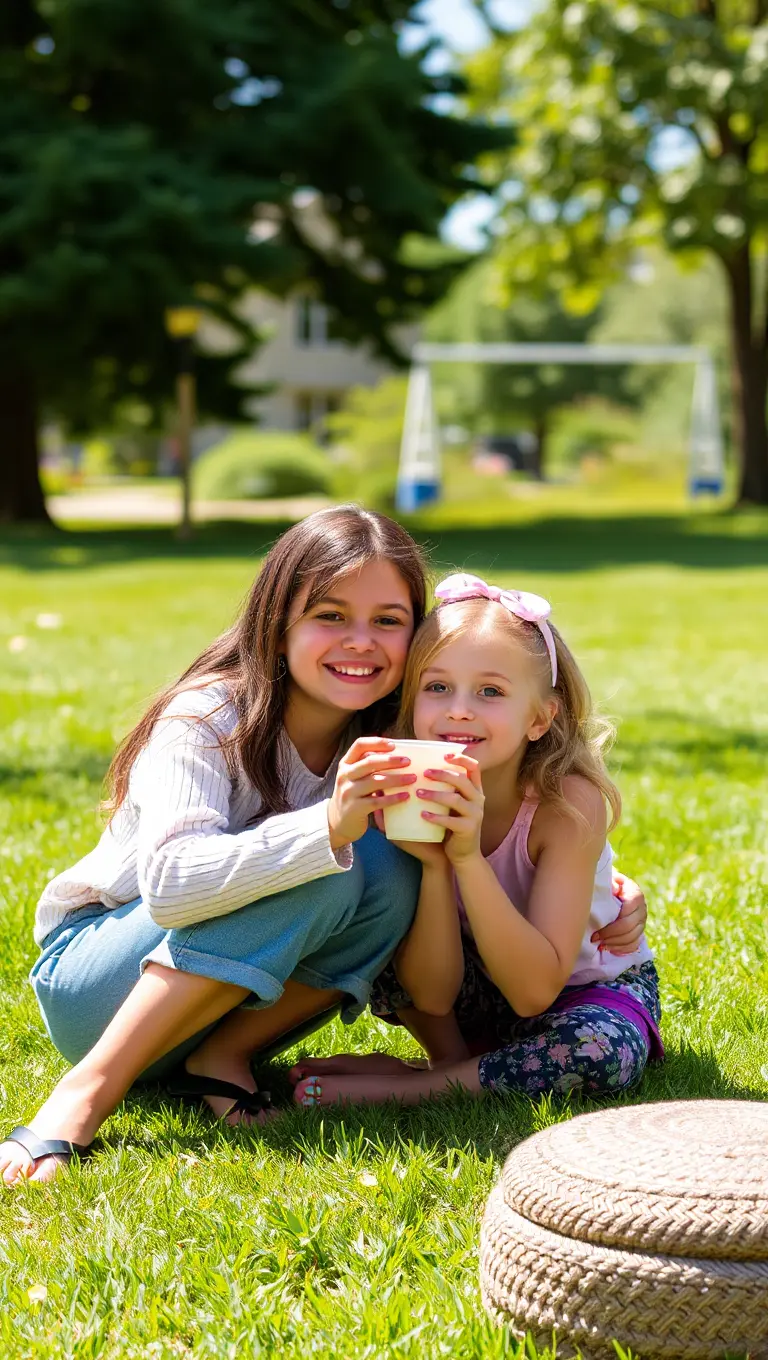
261	464
641	125
158	152
622	149
596	423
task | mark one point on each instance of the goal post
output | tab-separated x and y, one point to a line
419	476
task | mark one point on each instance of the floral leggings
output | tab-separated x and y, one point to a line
588	1048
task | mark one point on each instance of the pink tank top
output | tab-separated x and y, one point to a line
512	866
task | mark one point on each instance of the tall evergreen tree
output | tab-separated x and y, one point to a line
152	151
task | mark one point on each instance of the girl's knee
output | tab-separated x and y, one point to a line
617	1070
588	1061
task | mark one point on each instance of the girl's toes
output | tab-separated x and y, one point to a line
15	1165
46	1169
309	1092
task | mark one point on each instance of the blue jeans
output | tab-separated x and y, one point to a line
337	932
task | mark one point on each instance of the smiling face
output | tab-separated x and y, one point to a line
348	650
483	688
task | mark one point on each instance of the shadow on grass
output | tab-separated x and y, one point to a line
549	544
52	780
682	746
489	1126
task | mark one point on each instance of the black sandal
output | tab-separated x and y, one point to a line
47	1147
182	1083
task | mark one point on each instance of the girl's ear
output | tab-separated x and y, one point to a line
543	720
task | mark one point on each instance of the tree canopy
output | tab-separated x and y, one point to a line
638	123
496	398
156	151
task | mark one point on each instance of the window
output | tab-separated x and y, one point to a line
311	408
311	322
303	410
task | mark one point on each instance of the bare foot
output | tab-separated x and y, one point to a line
360	1089
409	1085
16	1164
354	1064
229	1068
74	1112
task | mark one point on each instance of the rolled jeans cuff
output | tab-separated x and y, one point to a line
235	972
265	988
356	990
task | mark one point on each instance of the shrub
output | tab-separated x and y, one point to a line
366	433
261	464
592	429
55	479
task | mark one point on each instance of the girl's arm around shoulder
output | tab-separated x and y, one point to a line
531	957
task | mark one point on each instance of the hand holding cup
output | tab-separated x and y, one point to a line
371	775
403	820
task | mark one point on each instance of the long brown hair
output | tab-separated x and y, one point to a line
576	740
313	553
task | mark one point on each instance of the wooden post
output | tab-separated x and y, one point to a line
185	397
181	324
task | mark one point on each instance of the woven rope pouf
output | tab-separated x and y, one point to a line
647	1224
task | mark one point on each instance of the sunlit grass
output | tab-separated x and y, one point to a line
357	1235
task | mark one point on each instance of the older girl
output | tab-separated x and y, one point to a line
237	890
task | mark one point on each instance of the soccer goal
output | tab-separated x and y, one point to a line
419	475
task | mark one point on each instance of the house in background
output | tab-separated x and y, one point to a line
311	369
308	368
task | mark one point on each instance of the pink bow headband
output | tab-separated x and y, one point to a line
521	603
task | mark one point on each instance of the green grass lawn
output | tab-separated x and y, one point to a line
355	1234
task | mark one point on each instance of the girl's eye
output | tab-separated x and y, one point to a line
491	692
385	619
435	687
331	617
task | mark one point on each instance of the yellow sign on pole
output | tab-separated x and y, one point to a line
181	322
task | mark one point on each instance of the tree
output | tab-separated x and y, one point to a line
489	397
367	432
637	122
156	151
665	302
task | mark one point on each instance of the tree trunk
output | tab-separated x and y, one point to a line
749	371
21	495
538	463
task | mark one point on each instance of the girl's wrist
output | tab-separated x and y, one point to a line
469	863
436	868
337	840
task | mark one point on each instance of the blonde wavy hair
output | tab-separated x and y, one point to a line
577	739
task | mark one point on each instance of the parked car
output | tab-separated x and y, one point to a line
495	454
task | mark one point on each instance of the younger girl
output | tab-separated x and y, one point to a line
237	891
499	977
